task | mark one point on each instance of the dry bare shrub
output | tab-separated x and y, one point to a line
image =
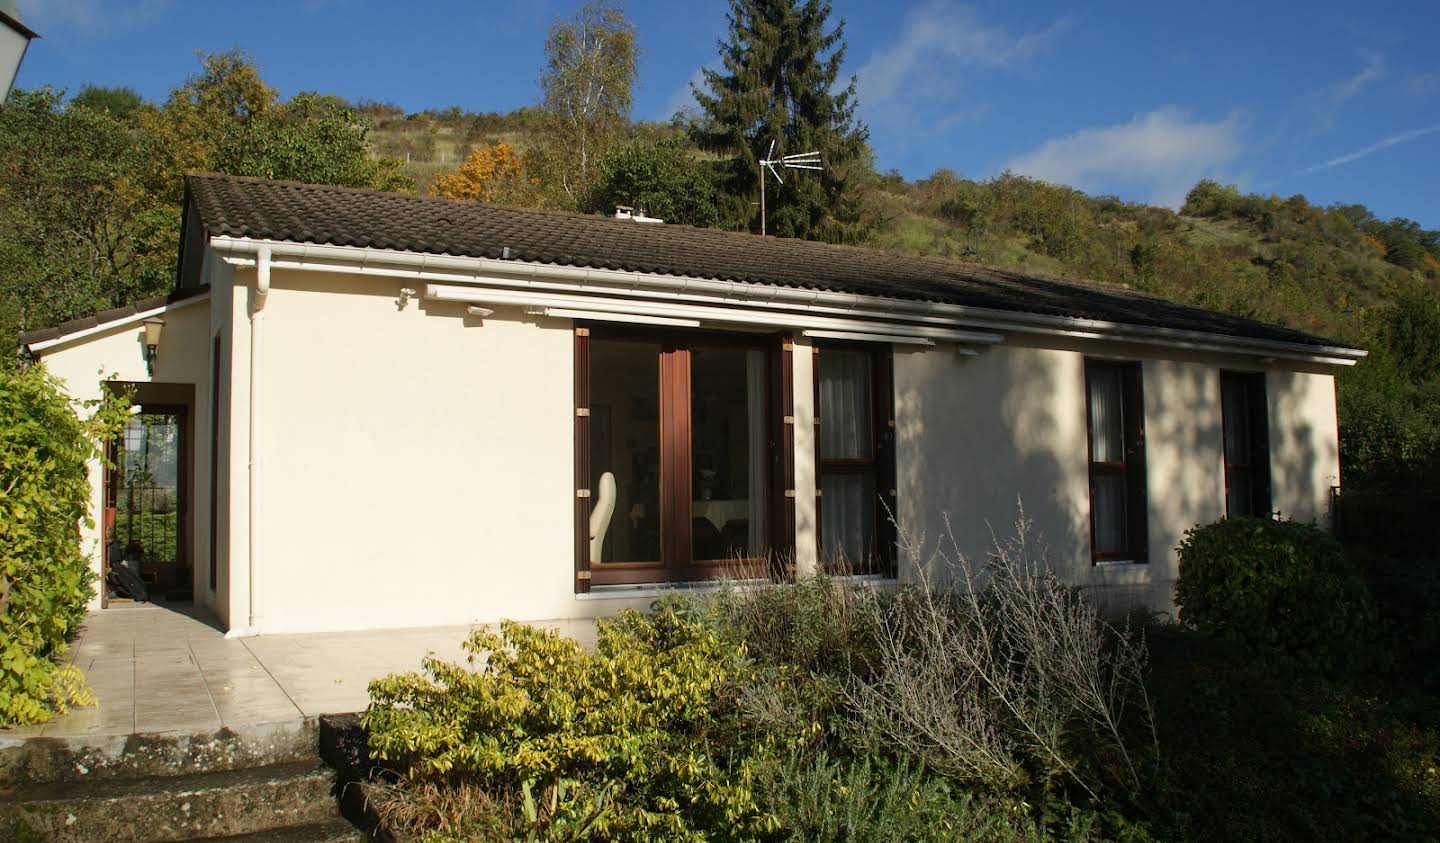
1001	675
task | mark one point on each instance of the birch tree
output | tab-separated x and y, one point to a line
588	83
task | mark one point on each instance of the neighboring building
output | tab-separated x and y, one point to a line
445	412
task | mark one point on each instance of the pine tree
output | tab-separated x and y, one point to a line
778	83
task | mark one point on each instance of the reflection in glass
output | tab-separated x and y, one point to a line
728	447
1109	513
625	443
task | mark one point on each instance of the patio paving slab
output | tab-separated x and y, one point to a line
169	669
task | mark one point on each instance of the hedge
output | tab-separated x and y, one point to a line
45	579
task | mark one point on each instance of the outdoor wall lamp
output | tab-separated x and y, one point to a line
153	326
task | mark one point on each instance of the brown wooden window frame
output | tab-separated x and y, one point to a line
881	462
1257	472
676	539
1132	468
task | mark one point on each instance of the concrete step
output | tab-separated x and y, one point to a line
188	807
334	831
79	759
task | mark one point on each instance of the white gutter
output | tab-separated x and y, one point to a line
257	324
37	347
417	265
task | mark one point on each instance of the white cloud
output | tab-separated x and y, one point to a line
1330	99
1163	151
89	16
941	36
1393	140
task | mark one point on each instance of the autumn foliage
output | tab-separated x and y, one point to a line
490	173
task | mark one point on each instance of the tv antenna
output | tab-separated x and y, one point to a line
797	161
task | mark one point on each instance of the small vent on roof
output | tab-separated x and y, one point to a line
625	212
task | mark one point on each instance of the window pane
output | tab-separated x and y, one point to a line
625	446
1235	410
1106	415
846	408
1109	513
847	521
728	447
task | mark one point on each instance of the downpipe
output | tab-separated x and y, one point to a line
257	334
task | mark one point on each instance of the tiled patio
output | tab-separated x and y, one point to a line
166	669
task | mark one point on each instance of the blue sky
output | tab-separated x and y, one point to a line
1335	100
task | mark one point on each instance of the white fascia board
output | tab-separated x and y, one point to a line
419	265
602	316
857	336
712	315
45	345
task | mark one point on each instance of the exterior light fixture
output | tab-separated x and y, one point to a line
15	37
153	326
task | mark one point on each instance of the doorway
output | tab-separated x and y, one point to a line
147	500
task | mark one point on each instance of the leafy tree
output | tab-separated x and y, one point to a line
77	230
779	85
122	102
189	129
590	71
310	140
660	177
490	173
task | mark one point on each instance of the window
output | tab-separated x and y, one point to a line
855	457
1117	461
1247	452
675	441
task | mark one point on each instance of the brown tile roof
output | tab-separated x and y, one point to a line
278	210
105	316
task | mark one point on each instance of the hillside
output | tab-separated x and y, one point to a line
1279	260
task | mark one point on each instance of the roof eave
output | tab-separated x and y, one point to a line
419	264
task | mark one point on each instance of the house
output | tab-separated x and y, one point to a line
403	411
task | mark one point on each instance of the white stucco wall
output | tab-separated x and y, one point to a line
417	464
974	435
118	354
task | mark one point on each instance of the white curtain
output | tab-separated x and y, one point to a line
755	405
845	405
847	523
1106	416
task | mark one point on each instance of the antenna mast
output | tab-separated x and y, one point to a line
797	161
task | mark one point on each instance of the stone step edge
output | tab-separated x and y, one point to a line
38	795
103	757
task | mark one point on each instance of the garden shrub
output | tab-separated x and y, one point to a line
45	579
1281	589
816	797
629	741
1003	678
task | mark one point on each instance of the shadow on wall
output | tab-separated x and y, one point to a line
1305	458
976	435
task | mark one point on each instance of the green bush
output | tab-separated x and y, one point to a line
626	742
1278	588
45	579
816	797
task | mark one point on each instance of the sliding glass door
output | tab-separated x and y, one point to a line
678	437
